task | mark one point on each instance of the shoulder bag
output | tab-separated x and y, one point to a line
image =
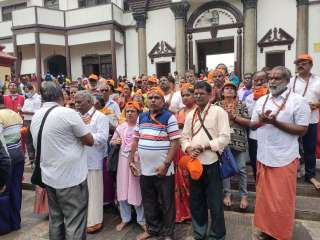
227	163
36	177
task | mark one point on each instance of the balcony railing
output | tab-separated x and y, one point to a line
5	29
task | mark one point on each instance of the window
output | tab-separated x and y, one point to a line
7	11
90	3
53	4
274	59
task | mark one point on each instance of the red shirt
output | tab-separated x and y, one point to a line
13	101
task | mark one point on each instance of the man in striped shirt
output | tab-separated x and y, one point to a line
157	139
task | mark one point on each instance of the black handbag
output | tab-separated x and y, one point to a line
113	158
227	163
36	177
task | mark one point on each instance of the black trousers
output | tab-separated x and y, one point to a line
207	193
253	147
309	142
159	204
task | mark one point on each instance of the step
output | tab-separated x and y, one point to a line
303	188
307	208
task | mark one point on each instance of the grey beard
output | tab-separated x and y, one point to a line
278	90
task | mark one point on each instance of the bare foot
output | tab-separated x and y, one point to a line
121	226
315	183
144	227
143	236
244	202
227	201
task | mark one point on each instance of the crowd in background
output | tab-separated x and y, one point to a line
121	142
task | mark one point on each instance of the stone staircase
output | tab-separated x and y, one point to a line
307	199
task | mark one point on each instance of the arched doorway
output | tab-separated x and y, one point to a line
56	65
214	30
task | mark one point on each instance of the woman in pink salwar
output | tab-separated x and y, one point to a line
128	186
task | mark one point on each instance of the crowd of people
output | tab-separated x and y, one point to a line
100	141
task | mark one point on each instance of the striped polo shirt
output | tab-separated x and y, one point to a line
154	140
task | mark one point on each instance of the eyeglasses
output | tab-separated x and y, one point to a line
104	90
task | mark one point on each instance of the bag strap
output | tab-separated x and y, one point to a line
206	131
37	160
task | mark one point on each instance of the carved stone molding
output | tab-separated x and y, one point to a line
302	2
141	19
180	9
275	37
162	49
249	4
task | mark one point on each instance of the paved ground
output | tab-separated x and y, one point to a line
238	226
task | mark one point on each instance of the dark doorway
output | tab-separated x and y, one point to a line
57	65
163	69
97	64
213	47
274	59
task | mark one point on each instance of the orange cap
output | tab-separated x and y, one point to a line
156	90
110	82
93	77
229	83
153	79
303	57
133	104
193	166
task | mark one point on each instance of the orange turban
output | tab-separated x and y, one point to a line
156	90
186	86
93	77
153	79
110	82
133	104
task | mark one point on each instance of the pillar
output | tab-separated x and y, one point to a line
250	36
37	49
68	59
180	10
302	26
114	56
238	69
142	42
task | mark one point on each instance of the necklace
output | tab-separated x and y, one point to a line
305	90
194	120
279	107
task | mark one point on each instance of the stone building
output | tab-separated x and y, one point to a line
130	37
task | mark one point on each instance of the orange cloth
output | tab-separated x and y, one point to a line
186	86
257	93
276	200
303	57
156	90
133	104
193	166
93	77
153	79
110	82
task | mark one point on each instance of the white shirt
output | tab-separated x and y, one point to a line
250	103
31	104
277	148
99	127
312	94
176	101
63	157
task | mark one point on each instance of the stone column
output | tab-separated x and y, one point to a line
67	54
250	36
37	49
142	42
180	10
114	54
302	26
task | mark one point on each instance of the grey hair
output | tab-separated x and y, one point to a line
86	95
285	72
50	91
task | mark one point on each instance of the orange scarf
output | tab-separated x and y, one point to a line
257	93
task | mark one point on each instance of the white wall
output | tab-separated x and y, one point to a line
314	36
5	28
24	16
68	4
34	3
120	60
28	63
132	52
77	52
88	37
8	47
284	17
52	39
50	17
25	38
160	26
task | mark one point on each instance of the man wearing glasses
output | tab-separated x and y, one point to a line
307	85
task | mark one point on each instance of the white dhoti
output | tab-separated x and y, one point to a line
95	205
